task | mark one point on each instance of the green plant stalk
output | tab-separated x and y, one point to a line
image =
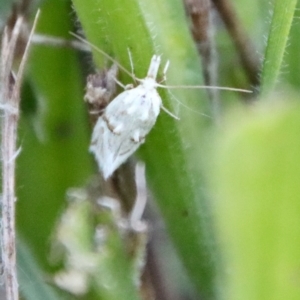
173	150
276	44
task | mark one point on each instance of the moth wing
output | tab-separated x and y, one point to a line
111	148
123	127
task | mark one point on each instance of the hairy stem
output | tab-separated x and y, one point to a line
10	99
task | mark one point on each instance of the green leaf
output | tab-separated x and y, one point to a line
257	202
173	149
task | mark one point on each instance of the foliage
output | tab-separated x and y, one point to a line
227	194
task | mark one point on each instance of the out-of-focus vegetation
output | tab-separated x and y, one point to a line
223	179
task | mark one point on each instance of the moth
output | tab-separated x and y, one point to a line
128	118
126	121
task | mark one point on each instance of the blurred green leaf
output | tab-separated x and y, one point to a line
255	159
94	246
257	202
32	280
5	10
53	136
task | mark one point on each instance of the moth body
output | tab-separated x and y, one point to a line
126	121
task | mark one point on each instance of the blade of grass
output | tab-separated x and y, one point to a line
277	40
292	58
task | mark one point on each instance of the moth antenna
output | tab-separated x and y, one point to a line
169	113
103	53
41	39
187	107
225	88
131	61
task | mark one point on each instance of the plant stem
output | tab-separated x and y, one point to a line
10	99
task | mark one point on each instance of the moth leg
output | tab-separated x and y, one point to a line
129	86
124	87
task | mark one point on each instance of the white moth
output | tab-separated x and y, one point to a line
126	121
128	118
